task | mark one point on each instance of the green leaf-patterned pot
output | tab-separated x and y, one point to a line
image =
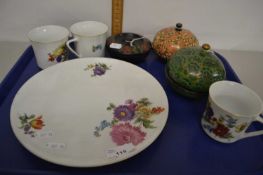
195	69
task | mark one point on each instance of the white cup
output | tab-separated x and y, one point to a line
90	38
231	108
49	44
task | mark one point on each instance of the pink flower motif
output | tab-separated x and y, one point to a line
129	101
130	104
126	133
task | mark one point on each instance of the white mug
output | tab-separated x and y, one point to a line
90	38
49	44
231	108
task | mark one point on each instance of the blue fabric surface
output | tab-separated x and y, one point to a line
13	75
182	147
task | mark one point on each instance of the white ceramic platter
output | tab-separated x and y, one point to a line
89	112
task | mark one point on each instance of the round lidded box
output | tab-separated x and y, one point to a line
169	40
192	70
129	47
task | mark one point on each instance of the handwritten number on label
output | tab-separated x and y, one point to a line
44	134
119	151
55	145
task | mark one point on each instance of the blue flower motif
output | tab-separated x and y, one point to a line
95	48
103	124
230	122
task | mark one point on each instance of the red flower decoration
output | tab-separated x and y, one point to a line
220	130
50	58
157	110
126	50
37	123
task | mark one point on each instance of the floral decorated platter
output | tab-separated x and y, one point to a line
89	112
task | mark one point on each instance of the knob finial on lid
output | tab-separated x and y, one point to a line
206	46
179	26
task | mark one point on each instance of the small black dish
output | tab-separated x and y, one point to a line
129	47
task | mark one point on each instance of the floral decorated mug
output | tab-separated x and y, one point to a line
49	44
90	38
231	108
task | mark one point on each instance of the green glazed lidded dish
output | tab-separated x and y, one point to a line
192	70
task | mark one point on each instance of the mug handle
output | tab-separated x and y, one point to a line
70	41
254	133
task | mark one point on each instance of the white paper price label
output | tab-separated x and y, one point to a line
53	145
119	151
45	134
115	46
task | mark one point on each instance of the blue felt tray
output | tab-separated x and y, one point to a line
182	148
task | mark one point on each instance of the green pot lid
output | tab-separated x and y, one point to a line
196	68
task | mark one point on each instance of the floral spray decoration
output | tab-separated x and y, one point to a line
31	124
128	121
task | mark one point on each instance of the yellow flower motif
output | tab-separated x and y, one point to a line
221	120
122	114
144	112
59	51
240	127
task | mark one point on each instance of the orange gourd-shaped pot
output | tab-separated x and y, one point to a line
169	40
